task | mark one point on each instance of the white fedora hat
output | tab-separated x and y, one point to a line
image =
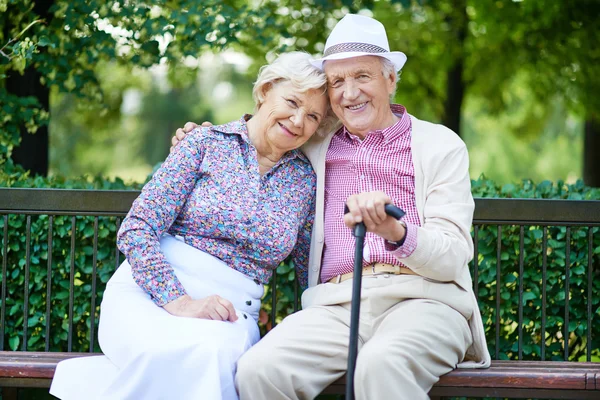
356	36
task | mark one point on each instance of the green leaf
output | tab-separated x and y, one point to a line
33	321
13	343
44	41
529	296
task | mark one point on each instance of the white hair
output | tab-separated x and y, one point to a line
388	68
294	67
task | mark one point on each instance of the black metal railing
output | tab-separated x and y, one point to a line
547	217
504	230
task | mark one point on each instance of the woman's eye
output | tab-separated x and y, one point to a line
292	103
314	117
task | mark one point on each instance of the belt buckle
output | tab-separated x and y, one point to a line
374	273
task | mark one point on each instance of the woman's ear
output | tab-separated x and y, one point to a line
264	89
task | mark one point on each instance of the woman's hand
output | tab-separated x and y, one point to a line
211	307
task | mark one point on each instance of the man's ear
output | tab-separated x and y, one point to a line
391	82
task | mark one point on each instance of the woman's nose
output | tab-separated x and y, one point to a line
297	119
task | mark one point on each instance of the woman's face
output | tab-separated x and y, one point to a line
291	117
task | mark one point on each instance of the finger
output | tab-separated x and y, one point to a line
180	134
349	220
364	205
353	206
206	124
189	126
232	315
222	312
379	209
371	212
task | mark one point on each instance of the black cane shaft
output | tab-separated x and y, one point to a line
359	233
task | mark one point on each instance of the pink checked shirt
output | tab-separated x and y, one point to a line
382	161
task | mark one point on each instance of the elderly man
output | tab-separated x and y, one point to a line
419	316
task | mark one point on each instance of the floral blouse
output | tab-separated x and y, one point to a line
210	192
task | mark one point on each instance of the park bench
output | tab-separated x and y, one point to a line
539	376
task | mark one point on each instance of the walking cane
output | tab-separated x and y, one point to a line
359	234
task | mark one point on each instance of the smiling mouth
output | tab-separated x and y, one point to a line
286	129
357	106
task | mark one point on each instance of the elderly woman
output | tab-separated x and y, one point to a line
225	208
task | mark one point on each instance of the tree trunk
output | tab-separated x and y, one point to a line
32	153
591	151
455	86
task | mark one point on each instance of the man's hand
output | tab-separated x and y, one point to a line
211	307
369	207
181	132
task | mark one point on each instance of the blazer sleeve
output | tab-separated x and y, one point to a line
444	243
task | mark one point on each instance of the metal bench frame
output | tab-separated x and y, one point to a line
515	379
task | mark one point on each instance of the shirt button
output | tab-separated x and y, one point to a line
314	268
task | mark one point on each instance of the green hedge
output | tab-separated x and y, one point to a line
532	278
482	187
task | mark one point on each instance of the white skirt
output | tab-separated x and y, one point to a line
153	355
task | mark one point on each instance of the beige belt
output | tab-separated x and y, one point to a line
373	270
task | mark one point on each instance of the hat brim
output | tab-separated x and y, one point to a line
396	57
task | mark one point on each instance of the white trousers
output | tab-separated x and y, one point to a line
408	338
153	355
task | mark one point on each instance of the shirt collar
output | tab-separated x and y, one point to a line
240	127
400	128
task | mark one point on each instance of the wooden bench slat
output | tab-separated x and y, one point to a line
515	378
550	375
32	365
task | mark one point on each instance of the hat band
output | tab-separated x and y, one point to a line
354	47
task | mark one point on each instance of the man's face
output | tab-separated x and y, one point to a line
359	93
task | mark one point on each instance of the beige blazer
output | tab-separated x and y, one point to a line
445	206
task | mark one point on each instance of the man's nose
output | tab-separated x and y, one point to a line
351	90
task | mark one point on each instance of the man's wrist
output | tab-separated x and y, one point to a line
398	240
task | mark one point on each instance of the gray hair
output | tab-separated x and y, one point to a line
295	68
388	68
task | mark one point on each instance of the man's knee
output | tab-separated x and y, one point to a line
254	366
377	358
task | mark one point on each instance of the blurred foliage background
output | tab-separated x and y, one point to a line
98	87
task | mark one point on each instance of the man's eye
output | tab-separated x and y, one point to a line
314	117
336	83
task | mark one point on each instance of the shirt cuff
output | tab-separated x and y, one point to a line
164	290
409	245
